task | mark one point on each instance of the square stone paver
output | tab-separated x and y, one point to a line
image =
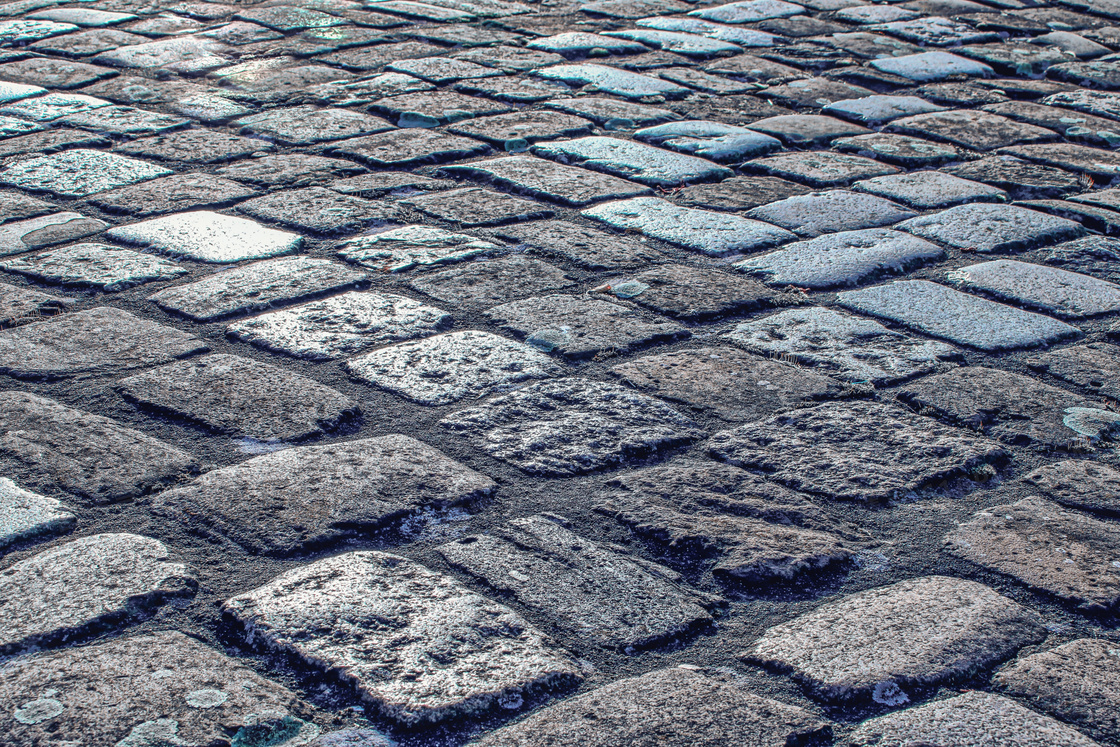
205	236
1048	289
875	109
170	194
27	515
828	212
78	173
96	265
474	206
690	293
406	248
624	114
538	177
483	284
992	228
635	161
23	235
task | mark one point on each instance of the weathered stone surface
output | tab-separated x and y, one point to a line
925	190
25	515
100	341
437	107
902	150
714	140
241	396
18	206
1048	289
97	265
208	237
573	426
613	80
992	228
195	146
961	720
880	108
1076	682
1046	547
677	707
873	452
943	312
1098	256
78	173
636	161
609	600
24	235
302	125
71	586
1078	484
160	688
319	210
483	284
416	645
527	125
342	325
410	247
585	247
806	129
474	206
685	292
256	286
822	169
172	193
23	305
552	181
313	495
1096	162
739	193
290	169
579	326
914	633
450	367
625	114
408	147
827	212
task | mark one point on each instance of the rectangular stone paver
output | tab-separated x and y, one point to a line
1048	289
77	173
205	236
552	181
26	515
96	265
24	235
406	248
636	161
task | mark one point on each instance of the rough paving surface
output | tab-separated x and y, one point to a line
776	294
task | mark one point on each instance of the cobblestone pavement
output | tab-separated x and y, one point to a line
523	374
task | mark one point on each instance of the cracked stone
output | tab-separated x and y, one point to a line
927	190
25	515
586	247
992	228
538	177
822	168
686	292
873	452
641	163
24	305
195	146
311	496
474	206
483	284
172	193
205	236
97	265
573	426
1092	366
319	210
33	233
1049	289
409	147
303	125
417	646
827	212
529	126
78	173
409	247
290	170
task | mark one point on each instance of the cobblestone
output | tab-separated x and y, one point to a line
26	515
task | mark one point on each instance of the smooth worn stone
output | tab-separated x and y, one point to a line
100	341
865	45
1095	162
579	327
641	163
87	43
78	173
24	235
749	11
24	305
572	426
51	106
96	265
256	286
960	721
877	108
971	129
755	69
510	59
912	634
290	170
88	455
842	345
620	114
409	247
1076	682
1049	289
690	45
1046	547
483	284
927	190
806	129
18	206
505	130
685	292
610	600
1012	58
810	93
451	367
240	396
538	177
822	168
736	386
1094	366
744	37
73	586
674	707
1095	130
1007	406
902	150
195	146
992	228
172	193
408	147
303	125
206	236
123	121
426	109
143	690
1019	177
714	140
873	452
25	515
828	212
931	66
573	44
341	325
583	246
959	317
710	233
1098	256
739	193
310	496
613	80
319	210
417	646
474	206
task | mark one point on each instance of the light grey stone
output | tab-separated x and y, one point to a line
581	43
744	37
409	247
24	305
24	235
613	80
858	451
416	645
992	228
450	367
25	515
931	66
314	495
52	106
1048	289
74	585
828	212
205	236
1078	484
98	265
636	161
714	140
689	45
749	11
880	108
77	173
926	190
572	426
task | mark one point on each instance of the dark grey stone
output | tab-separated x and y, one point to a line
474	206
172	193
97	265
25	515
290	170
508	130
408	147
538	177
1094	366
822	168
714	140
586	247
23	235
739	193
806	129
24	305
483	284
303	125
971	129
319	210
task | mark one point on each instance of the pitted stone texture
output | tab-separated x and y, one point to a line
739	193
408	147
303	125
27	515
843	345
1009	407
613	80
916	633
677	707
18	206
859	451
290	170
346	324
714	234
256	286
609	600
992	228
578	327
410	247
172	193
1048	289
1076	682
975	719
440	106
96	265
822	169
573	426
309	496
241	396
195	146
583	246
319	210
80	583
959	317
97	342
1096	162
474	206
685	292
625	114
902	150
749	11
483	284
925	190
1018	177
1094	366
636	161
1061	552
145	690
208	237
52	106
416	645
1098	256
527	125
552	181
24	235
23	305
78	173
450	367
806	129
573	44
1078	484
828	212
